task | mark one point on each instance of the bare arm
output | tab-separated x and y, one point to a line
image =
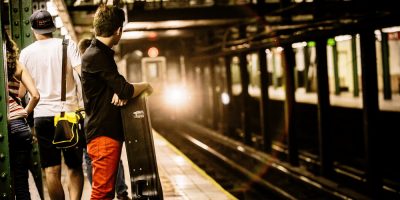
141	87
78	69
23	75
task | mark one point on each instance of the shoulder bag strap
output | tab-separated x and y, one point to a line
64	72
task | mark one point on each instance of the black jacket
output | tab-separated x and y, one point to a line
100	80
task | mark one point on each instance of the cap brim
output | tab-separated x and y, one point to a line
44	31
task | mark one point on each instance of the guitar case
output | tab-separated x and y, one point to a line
139	143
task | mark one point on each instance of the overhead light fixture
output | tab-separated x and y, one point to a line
299	44
132	35
342	38
172	32
391	29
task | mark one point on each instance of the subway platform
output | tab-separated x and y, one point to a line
180	178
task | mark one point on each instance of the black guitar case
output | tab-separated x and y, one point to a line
140	151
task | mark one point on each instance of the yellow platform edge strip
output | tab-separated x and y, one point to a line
197	168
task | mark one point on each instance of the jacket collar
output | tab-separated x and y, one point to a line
102	46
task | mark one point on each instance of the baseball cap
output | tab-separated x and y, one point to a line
42	22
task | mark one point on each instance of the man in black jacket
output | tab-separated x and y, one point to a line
104	92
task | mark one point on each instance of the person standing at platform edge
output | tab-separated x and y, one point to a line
104	92
120	185
20	135
43	59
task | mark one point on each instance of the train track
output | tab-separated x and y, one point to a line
242	171
207	159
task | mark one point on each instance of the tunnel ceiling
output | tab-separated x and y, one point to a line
219	22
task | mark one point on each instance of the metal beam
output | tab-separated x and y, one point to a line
290	102
214	12
387	89
370	113
229	130
325	135
264	101
65	18
245	96
19	22
5	178
356	89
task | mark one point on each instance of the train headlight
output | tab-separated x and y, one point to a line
225	98
176	96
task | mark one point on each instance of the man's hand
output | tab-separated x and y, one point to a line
149	89
116	101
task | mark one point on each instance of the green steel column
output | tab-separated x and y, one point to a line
356	90
15	21
336	68
19	20
19	13
26	31
387	89
274	74
5	179
307	84
309	63
35	168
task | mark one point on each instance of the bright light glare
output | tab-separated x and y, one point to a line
225	98
52	8
179	160
63	31
58	22
176	96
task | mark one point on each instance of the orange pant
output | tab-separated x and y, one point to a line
105	154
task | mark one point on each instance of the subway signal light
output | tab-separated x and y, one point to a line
152	52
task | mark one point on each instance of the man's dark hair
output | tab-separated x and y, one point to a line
107	20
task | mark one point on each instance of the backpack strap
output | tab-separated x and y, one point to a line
64	71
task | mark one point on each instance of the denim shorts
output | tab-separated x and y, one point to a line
20	134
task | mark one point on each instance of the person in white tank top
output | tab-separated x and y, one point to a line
43	60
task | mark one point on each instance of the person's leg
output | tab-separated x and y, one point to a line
105	154
75	185
53	181
50	157
20	149
88	163
120	186
73	160
20	166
